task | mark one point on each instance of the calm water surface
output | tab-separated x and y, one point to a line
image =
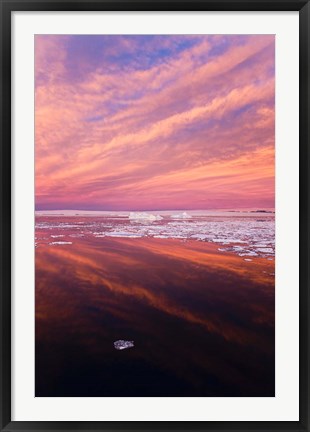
202	320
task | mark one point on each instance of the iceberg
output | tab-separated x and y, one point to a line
144	216
183	215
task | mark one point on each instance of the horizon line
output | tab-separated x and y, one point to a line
159	210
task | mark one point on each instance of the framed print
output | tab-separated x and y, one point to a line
154	224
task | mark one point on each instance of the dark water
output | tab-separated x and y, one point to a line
202	321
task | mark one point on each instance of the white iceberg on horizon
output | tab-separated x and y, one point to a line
144	216
183	215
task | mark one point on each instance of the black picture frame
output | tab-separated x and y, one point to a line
6	8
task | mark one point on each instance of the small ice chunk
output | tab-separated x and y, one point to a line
60	243
265	250
248	253
122	344
200	236
247	259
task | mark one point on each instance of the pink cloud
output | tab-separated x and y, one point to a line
184	128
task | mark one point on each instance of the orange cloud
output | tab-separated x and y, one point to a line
187	123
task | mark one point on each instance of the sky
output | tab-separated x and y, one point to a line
154	122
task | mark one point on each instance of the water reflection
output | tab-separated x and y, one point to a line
202	321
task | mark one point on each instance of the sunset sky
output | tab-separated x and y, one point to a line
154	122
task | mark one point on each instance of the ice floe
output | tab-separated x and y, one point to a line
123	344
243	236
60	243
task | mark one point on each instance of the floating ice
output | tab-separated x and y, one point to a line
183	215
121	234
122	344
237	234
265	250
144	216
200	236
60	243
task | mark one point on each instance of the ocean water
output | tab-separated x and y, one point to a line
192	293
